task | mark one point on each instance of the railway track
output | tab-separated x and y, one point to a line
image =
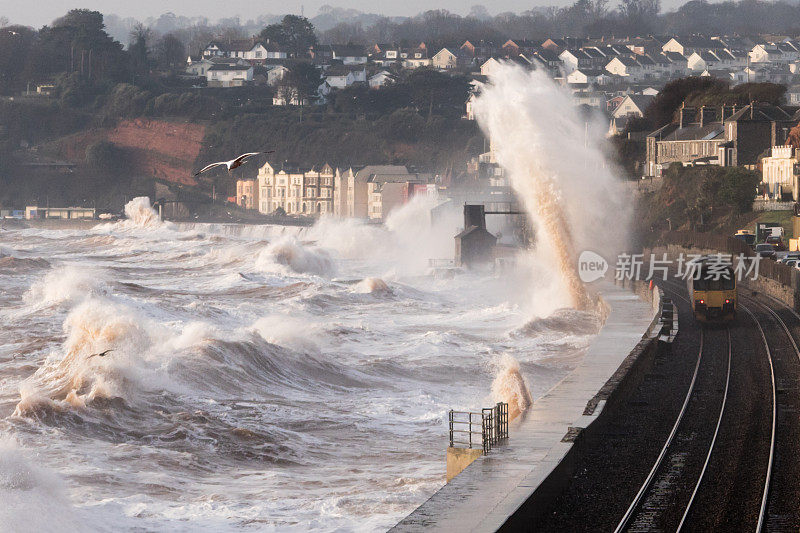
781	501
669	495
664	490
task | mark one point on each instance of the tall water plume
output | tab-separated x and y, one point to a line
553	156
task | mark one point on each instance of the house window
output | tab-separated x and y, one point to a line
258	55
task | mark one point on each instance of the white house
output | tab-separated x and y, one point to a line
489	67
198	68
703	60
633	105
341	77
384	54
765	53
575	59
678	64
415	58
349	55
380	79
778	172
625	67
686	46
215	49
250	50
793	95
275	74
587	76
444	59
221	75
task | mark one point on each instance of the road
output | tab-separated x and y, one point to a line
707	440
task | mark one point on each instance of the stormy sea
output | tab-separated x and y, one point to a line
202	377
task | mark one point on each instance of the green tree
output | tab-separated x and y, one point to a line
294	32
105	156
77	42
138	49
303	79
16	45
170	52
738	188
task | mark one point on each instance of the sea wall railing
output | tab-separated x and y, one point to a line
484	429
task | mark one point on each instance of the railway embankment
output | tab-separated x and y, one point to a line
541	454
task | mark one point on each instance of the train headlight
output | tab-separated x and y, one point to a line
701	302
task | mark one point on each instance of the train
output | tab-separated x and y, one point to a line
712	289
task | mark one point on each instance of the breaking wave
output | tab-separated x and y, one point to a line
299	258
67	284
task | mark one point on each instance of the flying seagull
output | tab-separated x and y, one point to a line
233	163
101	354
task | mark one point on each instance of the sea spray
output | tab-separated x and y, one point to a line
140	213
509	386
553	157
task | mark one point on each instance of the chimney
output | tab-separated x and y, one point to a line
474	215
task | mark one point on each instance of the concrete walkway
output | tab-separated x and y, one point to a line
488	491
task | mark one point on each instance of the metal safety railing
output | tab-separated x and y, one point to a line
469	429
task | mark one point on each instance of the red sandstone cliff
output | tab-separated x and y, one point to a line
156	148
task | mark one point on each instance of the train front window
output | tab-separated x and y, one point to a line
706	282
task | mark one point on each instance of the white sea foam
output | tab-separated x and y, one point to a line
33	497
68	283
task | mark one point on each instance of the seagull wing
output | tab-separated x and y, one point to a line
241	159
209	167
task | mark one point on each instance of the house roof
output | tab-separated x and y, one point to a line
474	230
707	55
393	170
548	55
695	132
627	61
675	57
641	100
698	41
343	70
591	72
760	112
344	50
229	67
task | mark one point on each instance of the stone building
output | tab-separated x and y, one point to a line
724	136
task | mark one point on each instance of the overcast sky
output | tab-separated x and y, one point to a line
40	12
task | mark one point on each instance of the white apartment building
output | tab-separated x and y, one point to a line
297	192
779	172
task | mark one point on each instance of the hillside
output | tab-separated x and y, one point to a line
153	148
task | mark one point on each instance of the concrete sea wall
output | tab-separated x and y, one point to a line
537	456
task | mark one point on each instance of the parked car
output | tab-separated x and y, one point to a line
766	250
777	242
787	257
